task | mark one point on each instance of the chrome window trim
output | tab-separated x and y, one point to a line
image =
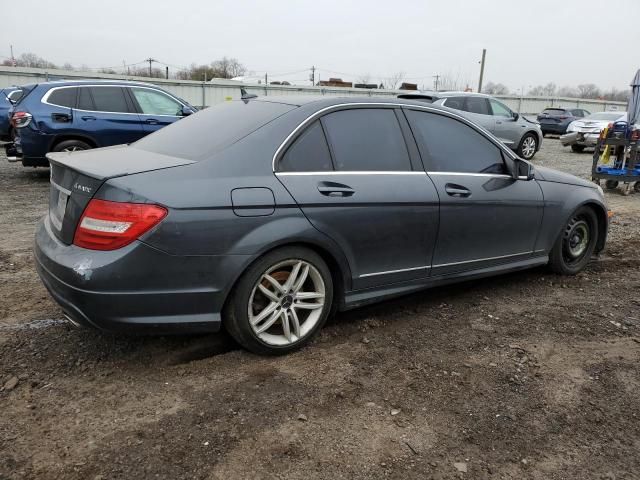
352	172
365	275
425	108
469	174
46	97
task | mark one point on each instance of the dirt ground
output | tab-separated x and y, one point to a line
524	376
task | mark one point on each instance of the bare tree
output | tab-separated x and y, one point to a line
588	90
495	89
549	89
393	82
567	91
228	68
365	78
453	81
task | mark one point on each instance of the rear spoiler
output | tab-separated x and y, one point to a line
427	97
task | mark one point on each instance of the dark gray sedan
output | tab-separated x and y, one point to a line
265	216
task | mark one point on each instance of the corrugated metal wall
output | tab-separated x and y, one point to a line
217	91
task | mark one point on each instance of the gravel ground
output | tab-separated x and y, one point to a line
524	376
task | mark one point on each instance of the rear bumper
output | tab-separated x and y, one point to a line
136	289
31	147
553	128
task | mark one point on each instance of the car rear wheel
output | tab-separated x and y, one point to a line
280	302
528	146
577	148
576	243
71	146
611	184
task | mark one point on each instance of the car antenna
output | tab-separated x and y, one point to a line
246	96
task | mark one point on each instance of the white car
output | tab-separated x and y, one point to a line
584	133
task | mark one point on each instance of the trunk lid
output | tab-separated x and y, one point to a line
77	176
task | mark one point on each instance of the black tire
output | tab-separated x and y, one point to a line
566	256
71	146
578	148
528	146
236	319
636	187
611	184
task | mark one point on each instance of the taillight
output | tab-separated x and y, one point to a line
21	119
635	135
108	225
564	117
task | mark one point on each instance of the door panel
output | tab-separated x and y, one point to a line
386	223
495	221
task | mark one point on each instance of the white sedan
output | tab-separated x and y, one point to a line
584	133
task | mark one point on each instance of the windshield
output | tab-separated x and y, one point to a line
607	116
212	129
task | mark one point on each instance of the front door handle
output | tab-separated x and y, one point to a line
498	122
151	121
332	189
88	118
454	190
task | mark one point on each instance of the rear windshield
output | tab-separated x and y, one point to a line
608	116
554	111
212	129
21	93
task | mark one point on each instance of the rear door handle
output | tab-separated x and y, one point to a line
454	190
88	118
331	189
151	121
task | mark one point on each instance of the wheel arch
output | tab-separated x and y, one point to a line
340	272
603	222
73	136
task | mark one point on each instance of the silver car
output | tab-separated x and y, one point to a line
584	133
514	130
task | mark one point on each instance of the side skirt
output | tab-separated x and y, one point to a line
359	298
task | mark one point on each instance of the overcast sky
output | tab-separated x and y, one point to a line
528	42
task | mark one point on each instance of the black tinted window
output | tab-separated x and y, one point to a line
198	136
309	153
109	99
455	102
64	97
452	146
477	105
366	140
84	99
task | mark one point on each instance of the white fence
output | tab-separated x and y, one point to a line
220	90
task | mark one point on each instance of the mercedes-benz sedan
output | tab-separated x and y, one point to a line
264	216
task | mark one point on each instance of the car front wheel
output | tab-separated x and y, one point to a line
575	245
528	146
280	302
577	148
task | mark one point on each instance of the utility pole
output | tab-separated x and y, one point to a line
265	79
484	54
167	72
436	81
150	60
312	77
13	59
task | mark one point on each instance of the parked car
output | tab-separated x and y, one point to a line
556	120
584	133
514	130
295	208
8	96
80	115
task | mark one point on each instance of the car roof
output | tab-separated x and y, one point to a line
324	101
461	94
71	83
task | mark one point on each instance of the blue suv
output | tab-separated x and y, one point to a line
79	115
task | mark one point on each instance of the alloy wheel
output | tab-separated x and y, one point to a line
287	302
528	147
72	148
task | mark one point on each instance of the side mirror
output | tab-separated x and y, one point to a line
186	111
524	170
515	116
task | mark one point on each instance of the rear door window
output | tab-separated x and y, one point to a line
63	97
452	146
109	99
367	139
309	152
152	102
85	102
477	105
